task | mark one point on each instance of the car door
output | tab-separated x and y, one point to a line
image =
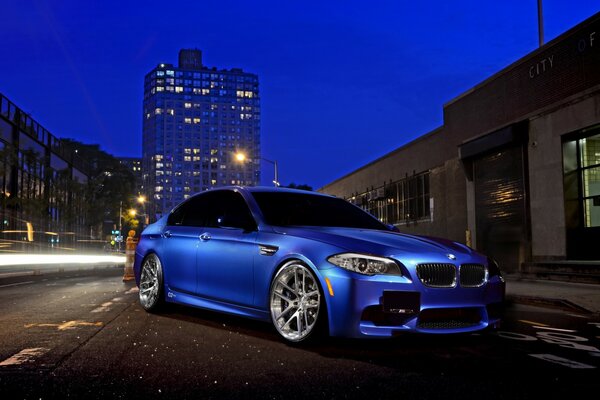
181	237
226	250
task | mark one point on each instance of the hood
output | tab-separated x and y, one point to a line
383	243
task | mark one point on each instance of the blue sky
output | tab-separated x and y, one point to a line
342	82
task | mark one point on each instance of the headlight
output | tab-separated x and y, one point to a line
365	264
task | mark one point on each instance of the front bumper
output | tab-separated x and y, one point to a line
370	306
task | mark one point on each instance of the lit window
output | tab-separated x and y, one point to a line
158	111
178	89
187	158
188	105
239	93
205	91
160	73
187	120
160	89
170	73
170	111
196	120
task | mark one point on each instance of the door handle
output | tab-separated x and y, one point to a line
204	237
167	234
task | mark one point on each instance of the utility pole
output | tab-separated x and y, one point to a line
120	223
540	23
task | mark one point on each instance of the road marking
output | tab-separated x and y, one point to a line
562	361
66	325
103	308
16	284
578	316
555	329
24	356
516	336
134	289
532	322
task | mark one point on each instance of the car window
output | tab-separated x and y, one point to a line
214	209
299	209
192	212
229	209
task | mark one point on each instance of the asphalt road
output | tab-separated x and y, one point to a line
84	336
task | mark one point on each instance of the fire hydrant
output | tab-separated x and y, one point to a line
130	246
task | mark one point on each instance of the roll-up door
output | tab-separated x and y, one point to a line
501	206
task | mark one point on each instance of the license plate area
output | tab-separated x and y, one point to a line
397	302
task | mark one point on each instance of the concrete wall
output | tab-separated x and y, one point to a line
546	196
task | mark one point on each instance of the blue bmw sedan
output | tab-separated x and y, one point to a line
311	263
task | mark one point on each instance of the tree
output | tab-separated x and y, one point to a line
110	187
299	186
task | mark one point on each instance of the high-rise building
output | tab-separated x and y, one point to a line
196	119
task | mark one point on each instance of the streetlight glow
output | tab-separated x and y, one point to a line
240	157
141	199
132	212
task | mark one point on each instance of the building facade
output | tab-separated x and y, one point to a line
134	164
42	187
196	119
515	169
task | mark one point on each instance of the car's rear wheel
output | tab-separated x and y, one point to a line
151	283
296	302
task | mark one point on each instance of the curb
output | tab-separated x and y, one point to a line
560	304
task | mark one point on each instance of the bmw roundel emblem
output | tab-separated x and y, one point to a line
451	256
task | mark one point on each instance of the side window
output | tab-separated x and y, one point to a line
229	209
176	216
216	209
193	212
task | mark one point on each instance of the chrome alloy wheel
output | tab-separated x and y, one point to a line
295	302
150	282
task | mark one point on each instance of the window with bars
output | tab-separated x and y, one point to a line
399	202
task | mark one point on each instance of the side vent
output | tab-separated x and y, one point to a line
266	250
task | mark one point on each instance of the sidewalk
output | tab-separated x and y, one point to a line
580	297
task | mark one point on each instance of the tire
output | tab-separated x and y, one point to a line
151	284
296	303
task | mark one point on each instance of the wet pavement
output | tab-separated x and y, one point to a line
84	335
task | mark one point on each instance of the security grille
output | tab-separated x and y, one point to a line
437	275
472	275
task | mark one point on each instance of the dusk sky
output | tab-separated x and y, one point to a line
341	82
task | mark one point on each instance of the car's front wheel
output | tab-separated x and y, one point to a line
151	283
296	302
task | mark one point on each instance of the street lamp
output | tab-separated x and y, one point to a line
142	200
241	157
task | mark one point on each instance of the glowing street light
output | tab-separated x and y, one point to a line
132	212
141	199
241	157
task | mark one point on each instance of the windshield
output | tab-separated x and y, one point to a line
299	209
